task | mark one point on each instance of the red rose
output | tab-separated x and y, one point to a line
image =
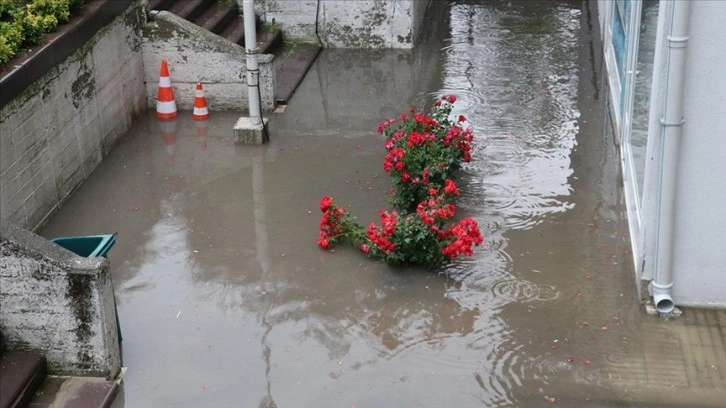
325	203
365	248
450	187
323	243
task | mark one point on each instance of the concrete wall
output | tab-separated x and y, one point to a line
194	54
55	133
57	304
348	24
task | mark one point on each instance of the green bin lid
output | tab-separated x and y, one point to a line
87	245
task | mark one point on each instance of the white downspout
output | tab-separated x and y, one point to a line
253	72
671	131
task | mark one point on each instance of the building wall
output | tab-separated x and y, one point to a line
699	261
348	24
57	304
55	133
700	249
196	55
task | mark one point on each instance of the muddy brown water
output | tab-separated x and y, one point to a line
225	300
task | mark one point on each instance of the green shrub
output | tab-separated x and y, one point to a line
35	25
7	8
76	5
58	8
11	39
24	25
6	51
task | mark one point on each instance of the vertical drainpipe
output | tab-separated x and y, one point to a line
671	131
253	72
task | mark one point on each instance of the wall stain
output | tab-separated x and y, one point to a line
42	273
79	296
84	86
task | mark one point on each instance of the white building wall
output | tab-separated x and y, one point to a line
699	249
700	229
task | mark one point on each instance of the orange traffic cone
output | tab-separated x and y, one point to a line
200	104
165	104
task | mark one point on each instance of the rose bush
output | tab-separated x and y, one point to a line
424	151
420	238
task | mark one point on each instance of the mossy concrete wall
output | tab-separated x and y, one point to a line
56	131
57	304
348	24
197	55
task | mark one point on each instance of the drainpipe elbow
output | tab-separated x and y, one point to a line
662	297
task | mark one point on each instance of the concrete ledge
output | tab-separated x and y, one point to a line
57	304
246	132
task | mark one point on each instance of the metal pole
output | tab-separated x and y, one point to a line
253	72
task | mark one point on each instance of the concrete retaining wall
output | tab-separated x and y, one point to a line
55	133
197	55
348	24
57	304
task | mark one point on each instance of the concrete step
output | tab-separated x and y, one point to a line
269	42
221	18
292	62
75	392
190	9
218	16
235	32
20	376
160	4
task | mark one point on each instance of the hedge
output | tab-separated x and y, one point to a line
23	23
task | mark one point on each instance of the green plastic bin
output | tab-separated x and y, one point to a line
87	245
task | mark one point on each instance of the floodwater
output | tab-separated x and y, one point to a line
226	301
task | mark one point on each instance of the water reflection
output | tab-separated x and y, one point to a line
201	126
517	79
167	132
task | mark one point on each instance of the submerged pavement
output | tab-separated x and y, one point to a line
225	300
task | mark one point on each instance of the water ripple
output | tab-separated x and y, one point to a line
524	291
517	82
